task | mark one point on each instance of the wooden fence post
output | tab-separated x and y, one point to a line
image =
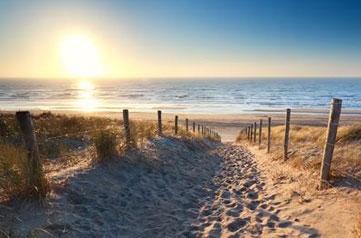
333	121
187	124
260	133
176	125
126	128
255	133
194	127
248	132
36	182
269	135
251	133
287	134
159	122
199	128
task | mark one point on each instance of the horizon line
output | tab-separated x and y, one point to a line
181	77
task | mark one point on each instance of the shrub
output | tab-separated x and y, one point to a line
105	144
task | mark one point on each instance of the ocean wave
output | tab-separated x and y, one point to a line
131	95
181	96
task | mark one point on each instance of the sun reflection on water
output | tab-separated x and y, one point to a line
86	99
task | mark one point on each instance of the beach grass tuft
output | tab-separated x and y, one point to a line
105	144
16	174
350	133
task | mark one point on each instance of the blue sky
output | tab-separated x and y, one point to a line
186	38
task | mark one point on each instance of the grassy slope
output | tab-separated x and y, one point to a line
60	137
306	148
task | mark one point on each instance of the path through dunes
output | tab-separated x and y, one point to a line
171	188
240	205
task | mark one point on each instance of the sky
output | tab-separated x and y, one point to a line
180	38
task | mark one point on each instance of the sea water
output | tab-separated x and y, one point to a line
206	95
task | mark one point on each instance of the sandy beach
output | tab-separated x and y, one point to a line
180	119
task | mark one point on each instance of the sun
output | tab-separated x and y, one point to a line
80	57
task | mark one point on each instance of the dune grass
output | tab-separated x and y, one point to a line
306	148
13	170
17	179
105	145
61	135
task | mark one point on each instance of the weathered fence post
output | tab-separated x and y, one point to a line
176	125
247	132
269	135
202	130
36	181
126	128
251	132
194	127
199	128
187	124
260	133
159	122
333	121
255	133
287	134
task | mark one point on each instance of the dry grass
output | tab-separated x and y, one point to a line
17	179
306	148
13	170
59	136
105	144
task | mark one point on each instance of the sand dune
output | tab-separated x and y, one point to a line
171	188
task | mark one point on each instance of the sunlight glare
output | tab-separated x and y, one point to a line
80	57
86	99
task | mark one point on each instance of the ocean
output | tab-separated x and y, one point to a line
215	96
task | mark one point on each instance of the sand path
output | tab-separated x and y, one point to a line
173	188
240	205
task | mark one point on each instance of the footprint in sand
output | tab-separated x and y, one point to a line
252	195
240	204
237	224
235	212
